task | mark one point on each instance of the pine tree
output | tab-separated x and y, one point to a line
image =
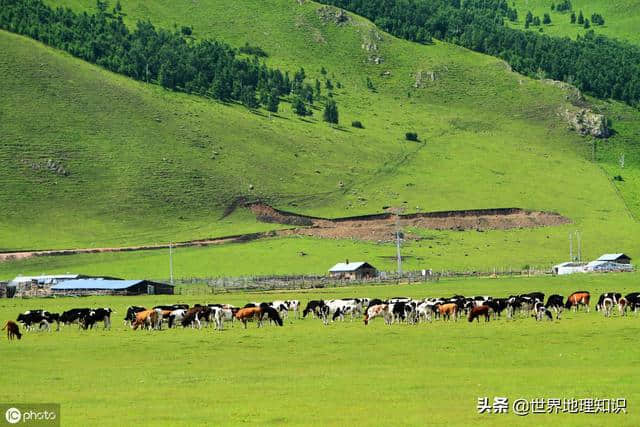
330	112
248	97
573	17
586	23
272	101
580	18
298	107
529	18
546	19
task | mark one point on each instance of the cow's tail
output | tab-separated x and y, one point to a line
5	326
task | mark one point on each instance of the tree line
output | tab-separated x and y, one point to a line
172	59
598	65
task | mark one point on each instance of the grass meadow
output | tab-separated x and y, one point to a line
621	17
309	374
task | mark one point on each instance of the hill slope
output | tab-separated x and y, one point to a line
140	158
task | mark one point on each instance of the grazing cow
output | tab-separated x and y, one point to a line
97	315
176	316
613	297
633	301
256	313
555	303
426	310
576	299
375	301
622	305
75	315
130	317
38	317
476	312
352	307
540	310
448	310
379	310
220	313
12	330
606	305
150	319
312	307
194	314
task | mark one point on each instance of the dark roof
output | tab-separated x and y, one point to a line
343	267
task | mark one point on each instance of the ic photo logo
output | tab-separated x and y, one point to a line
30	414
13	415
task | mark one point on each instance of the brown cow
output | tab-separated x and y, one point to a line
378	310
577	299
448	310
476	312
147	318
246	314
12	330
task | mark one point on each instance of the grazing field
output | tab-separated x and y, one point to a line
344	373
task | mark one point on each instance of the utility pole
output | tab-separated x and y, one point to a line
171	262
579	246
571	247
398	241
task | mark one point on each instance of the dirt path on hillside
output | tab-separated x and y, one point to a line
377	227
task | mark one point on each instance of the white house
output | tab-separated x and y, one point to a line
569	268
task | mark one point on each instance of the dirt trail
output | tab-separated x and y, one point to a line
376	227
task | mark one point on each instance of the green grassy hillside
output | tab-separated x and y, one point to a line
621	17
147	165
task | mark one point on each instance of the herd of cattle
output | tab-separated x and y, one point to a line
393	310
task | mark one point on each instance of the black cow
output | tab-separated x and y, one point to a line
130	317
97	315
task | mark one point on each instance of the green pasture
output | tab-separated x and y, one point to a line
620	16
309	374
439	250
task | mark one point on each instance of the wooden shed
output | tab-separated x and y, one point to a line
353	270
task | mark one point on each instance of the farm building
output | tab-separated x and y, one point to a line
569	268
34	286
615	258
353	270
110	287
607	266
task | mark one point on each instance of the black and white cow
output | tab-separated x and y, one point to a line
555	303
75	315
42	318
606	301
540	311
633	301
313	307
97	315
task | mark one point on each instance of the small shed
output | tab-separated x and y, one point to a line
111	287
569	268
617	258
353	270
